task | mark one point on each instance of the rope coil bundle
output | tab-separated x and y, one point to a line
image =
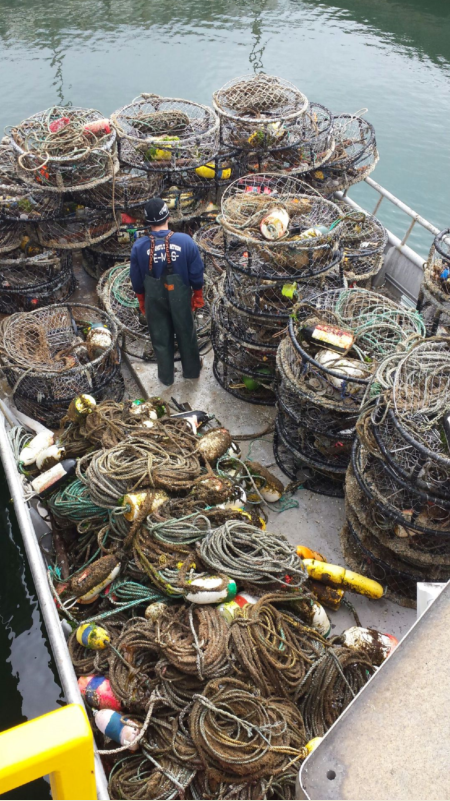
252	556
163	134
65	149
28	282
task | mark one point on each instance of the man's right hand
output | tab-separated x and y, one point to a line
141	298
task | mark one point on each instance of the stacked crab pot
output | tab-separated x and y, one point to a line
278	243
434	295
335	341
397	486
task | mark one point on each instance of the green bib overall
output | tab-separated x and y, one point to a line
168	312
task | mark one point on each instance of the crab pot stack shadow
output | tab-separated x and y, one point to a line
278	243
321	386
117	297
52	354
397	486
355	155
434	295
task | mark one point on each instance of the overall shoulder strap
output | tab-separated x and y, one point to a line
151	253
167	246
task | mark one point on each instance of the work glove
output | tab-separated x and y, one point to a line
141	298
197	301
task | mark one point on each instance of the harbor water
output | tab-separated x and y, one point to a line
390	57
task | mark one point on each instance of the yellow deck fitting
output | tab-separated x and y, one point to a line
59	744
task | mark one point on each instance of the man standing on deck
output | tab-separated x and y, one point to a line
166	273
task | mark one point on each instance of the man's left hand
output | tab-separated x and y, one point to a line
197	301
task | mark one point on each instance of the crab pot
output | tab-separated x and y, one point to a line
273	298
20	202
117	297
58	150
259	112
399	586
416	548
278	217
210	242
390	559
79	228
27	283
423	465
313	132
355	155
308	265
363	242
323	456
130	189
47	361
411	508
186	204
166	135
246	371
378	326
11	235
294	466
242	384
434	296
247	329
219	172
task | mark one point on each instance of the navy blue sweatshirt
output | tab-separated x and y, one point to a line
186	260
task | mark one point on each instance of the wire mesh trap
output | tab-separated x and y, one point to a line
78	228
130	189
210	241
117	297
163	134
244	328
435	289
259	112
65	149
187	204
378	324
11	235
22	203
363	242
355	155
291	463
27	283
50	355
313	135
